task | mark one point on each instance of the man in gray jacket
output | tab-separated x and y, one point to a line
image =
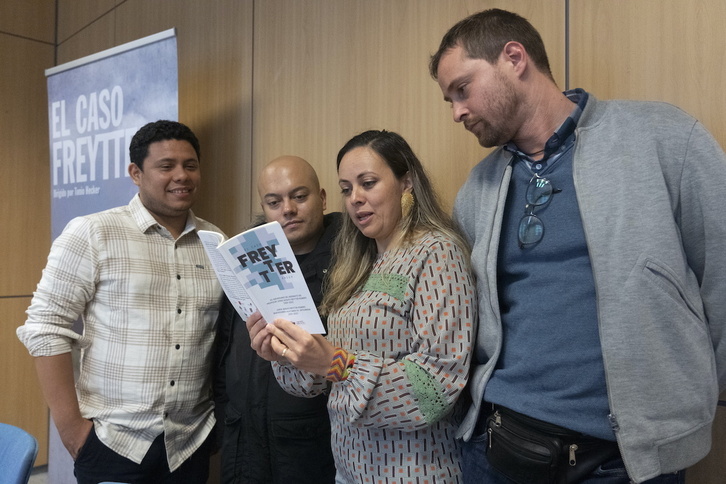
601	348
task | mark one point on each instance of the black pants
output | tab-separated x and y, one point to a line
97	463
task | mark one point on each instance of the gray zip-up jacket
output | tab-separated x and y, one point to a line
651	186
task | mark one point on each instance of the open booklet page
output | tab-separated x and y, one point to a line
232	287
258	270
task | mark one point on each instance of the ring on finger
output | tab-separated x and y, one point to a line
284	351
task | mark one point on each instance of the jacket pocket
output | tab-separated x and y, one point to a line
303	428
663	277
658	353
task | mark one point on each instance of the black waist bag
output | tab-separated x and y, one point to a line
530	451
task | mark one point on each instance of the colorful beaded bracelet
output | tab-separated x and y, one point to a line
340	365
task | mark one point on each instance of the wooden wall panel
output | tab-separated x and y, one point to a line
215	90
22	402
75	16
26	49
96	37
33	19
326	70
25	200
24	185
663	50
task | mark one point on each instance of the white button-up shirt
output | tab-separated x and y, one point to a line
148	305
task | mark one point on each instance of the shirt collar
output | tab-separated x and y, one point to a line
560	136
145	220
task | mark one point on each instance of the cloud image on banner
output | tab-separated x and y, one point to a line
95	105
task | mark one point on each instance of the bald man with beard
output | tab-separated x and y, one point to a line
269	436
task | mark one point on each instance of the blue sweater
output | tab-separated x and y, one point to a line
551	367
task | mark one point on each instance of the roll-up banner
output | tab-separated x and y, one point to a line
95	105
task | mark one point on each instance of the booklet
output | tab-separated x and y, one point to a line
257	269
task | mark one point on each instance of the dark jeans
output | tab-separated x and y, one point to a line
476	469
97	463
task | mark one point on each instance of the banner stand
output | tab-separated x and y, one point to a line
95	106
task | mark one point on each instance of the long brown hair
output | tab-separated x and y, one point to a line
354	253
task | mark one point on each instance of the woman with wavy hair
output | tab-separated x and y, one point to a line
400	306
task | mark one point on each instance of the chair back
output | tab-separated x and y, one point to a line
18	450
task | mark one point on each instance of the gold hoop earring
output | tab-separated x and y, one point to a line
407	203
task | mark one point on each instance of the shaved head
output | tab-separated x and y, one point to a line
290	193
285	166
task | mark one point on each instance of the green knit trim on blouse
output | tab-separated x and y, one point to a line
392	284
428	391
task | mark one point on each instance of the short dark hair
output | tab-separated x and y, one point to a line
161	130
483	35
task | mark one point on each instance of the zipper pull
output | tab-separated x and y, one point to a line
497	418
489	431
573	448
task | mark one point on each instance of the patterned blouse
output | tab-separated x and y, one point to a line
411	328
